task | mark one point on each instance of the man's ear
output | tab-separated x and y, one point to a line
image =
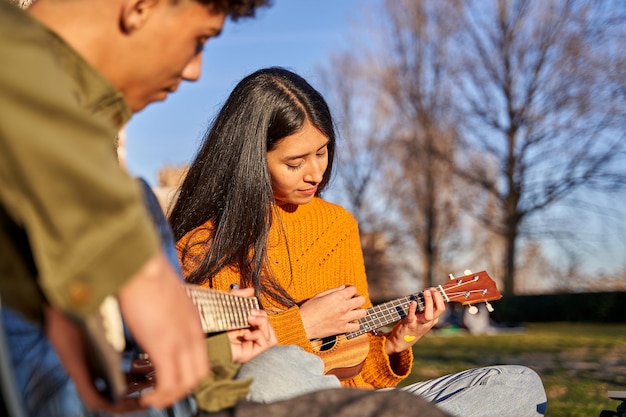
135	13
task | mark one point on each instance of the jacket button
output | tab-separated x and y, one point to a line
79	293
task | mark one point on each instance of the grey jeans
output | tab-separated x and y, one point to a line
285	372
505	390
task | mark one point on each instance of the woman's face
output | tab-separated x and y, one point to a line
297	165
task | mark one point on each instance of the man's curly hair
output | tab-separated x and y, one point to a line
236	8
232	8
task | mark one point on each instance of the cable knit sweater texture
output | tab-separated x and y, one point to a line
324	252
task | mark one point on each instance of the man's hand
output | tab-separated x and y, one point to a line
166	324
246	344
70	345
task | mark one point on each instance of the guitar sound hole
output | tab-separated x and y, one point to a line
328	343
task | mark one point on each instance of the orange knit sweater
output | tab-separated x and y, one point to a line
324	252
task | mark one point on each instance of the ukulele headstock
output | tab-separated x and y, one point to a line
470	289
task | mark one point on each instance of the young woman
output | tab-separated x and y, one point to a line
249	213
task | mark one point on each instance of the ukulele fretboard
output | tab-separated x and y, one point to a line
221	311
389	312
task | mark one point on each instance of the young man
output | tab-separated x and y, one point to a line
73	226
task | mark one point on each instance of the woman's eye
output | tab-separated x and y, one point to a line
294	167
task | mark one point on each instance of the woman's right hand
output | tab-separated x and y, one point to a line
246	344
332	312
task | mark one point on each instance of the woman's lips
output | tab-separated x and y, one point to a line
309	191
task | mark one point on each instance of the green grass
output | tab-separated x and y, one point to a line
578	363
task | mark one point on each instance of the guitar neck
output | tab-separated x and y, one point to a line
221	311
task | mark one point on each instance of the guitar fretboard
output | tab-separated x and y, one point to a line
221	311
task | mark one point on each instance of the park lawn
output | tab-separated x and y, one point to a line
578	362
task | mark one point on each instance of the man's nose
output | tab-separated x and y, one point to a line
192	70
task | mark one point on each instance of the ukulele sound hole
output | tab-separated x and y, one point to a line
328	343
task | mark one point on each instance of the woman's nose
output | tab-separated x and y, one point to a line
315	173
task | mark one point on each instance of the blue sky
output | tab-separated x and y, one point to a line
297	34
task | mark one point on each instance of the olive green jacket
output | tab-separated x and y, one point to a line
73	226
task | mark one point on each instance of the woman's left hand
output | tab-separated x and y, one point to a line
415	325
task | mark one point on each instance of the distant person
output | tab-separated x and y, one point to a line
478	323
74	227
249	212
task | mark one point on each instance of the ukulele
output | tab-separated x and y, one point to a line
107	339
344	354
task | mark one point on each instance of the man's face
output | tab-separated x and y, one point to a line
167	50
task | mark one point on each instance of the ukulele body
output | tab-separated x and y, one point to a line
342	357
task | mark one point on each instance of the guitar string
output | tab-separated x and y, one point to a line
221	311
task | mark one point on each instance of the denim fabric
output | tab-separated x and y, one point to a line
163	227
41	380
503	391
283	372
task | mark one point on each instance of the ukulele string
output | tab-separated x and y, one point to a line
383	314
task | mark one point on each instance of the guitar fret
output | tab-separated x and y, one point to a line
220	311
240	307
235	311
227	307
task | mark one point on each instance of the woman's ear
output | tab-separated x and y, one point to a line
135	13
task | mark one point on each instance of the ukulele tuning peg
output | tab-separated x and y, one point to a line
472	309
451	277
489	307
467	272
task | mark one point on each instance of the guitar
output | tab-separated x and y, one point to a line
107	340
344	354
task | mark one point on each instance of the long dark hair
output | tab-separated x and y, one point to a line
229	182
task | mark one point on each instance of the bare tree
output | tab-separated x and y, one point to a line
533	83
524	101
360	144
403	163
409	73
360	137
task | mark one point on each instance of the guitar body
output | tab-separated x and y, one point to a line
342	357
